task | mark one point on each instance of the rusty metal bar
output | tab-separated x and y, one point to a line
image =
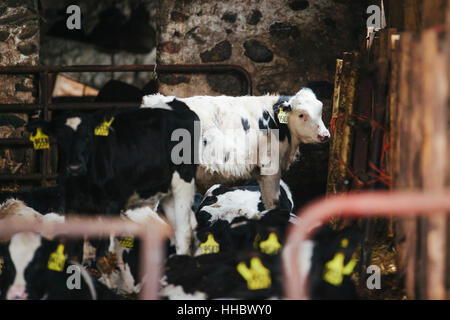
19	142
20	107
176	68
24	108
15	142
363	205
26	177
152	235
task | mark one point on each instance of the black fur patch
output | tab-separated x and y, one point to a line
117	166
284	131
245	124
221	190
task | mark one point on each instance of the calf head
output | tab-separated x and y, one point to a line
25	269
76	134
334	260
305	123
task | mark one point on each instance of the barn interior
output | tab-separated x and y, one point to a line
384	89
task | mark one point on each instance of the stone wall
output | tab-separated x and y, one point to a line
19	46
112	33
285	45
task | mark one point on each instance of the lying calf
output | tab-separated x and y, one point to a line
231	218
36	267
266	234
328	261
239	275
119	264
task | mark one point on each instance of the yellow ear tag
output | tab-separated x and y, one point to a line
271	245
40	140
127	242
335	269
282	116
57	259
257	277
210	245
103	128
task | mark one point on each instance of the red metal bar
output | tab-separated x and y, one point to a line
363	205
152	235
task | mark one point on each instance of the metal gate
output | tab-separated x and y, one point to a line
47	76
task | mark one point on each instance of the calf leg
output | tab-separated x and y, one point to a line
178	211
270	190
168	205
183	193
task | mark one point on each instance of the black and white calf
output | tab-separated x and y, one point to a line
236	217
128	163
123	277
36	266
225	275
28	273
328	261
236	130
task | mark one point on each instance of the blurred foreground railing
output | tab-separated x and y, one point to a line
361	205
152	235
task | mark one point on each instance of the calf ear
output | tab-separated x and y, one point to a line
286	107
46	126
103	115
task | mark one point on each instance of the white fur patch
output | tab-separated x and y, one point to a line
233	204
143	215
73	123
156	101
177	293
22	249
53	218
181	216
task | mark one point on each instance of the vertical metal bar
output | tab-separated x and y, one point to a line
151	265
48	100
42	100
363	205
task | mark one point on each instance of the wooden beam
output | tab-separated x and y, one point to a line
405	229
342	138
395	14
433	13
434	156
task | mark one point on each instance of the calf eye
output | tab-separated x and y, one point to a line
301	115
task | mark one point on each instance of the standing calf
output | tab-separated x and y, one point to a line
129	165
235	131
